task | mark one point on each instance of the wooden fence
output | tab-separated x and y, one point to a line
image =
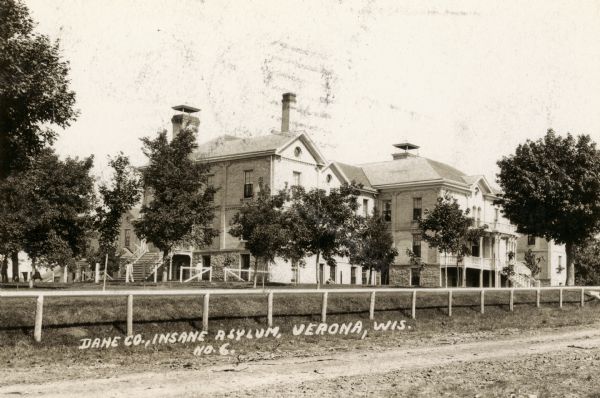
270	293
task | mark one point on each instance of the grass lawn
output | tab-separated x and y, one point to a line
68	320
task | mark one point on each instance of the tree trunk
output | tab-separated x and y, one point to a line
446	269
255	271
32	277
317	269
14	257
4	269
570	249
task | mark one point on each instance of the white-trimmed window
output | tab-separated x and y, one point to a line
297	178
248	185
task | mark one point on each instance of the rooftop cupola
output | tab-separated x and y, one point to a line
184	118
406	146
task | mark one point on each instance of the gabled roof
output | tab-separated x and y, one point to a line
353	173
411	169
229	146
481	180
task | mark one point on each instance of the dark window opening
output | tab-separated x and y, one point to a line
475	249
387	211
248	186
415	277
417	209
531	240
128	238
416	246
332	272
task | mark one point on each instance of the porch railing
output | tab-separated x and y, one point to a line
237	273
195	273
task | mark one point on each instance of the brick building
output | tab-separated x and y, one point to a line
400	188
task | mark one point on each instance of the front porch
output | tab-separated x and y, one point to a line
484	267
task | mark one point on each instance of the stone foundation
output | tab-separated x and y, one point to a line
220	260
400	275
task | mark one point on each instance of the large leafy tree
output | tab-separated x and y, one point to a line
261	225
587	263
117	197
46	210
180	207
373	244
34	89
449	229
322	224
551	189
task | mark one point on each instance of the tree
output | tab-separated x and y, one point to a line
259	224
179	209
34	89
373	242
47	210
587	263
532	262
551	188
321	224
117	199
449	229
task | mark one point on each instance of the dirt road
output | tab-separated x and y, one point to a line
271	376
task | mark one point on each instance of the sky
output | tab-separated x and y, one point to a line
467	81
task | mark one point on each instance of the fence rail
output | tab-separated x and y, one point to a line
270	293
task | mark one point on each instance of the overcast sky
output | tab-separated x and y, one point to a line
467	81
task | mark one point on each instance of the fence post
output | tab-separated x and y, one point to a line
537	298
97	274
324	308
582	297
560	297
205	302
413	312
225	273
270	309
482	301
210	274
449	302
130	315
512	299
372	307
155	273
39	311
181	275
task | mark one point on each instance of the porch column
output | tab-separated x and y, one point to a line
481	278
490	279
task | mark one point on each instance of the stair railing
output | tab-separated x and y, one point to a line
159	263
140	250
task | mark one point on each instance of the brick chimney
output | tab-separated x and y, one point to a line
185	119
288	111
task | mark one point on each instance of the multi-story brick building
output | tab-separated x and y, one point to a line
401	188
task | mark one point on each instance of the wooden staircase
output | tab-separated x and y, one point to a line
143	267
